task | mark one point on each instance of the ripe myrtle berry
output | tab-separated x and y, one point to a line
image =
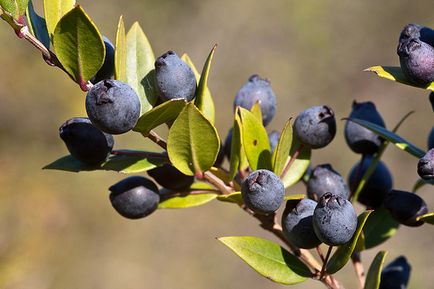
262	192
220	157
425	166
316	126
425	34
257	89
431	139
107	69
134	197
396	274
405	207
170	177
113	106
273	137
175	79
334	220
417	60
297	223
362	140
324	179
378	185
85	142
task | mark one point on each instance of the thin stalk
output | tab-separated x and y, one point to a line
153	136
291	161
358	268
329	251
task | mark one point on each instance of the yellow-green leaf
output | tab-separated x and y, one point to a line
281	152
296	164
268	259
395	74
121	52
343	253
374	273
256	110
140	72
238	159
54	11
427	218
231	198
187	200
16	8
193	142
79	46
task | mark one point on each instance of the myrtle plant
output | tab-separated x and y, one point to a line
129	90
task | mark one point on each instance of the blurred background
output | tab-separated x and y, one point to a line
58	230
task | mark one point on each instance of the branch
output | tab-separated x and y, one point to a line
358	267
153	136
216	182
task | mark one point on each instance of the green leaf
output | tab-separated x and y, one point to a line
299	156
256	110
127	164
421	183
37	25
203	99
121	52
140	72
396	74
238	159
390	136
374	273
193	142
427	218
16	8
294	197
254	140
343	253
163	113
79	46
231	198
281	152
54	11
379	227
268	259
187	200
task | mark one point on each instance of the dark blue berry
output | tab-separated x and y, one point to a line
170	177
405	207
324	179
107	69
273	137
417	60
396	274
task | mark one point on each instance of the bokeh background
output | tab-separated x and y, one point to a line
58	230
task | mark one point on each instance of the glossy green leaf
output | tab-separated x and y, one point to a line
268	259
127	164
54	11
121	52
254	140
256	110
79	46
140	72
183	201
343	253
299	157
16	8
201	186
281	152
374	273
203	99
238	159
193	143
427	218
421	183
37	25
395	74
294	197
231	198
163	113
392	137
379	227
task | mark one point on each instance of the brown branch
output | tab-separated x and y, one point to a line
291	161
153	136
216	182
358	268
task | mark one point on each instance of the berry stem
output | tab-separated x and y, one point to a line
216	182
329	251
358	267
321	255
291	161
153	136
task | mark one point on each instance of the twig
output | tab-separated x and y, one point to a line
321	255
329	251
216	182
157	139
291	161
358	267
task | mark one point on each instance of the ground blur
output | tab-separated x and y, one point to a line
58	230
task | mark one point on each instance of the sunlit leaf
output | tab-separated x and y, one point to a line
121	52
268	259
395	74
54	11
256	110
281	152
238	159
182	201
231	198
427	218
374	273
296	164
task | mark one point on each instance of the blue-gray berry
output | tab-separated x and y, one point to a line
425	166
262	192
362	140
316	126
170	177
377	186
257	89
113	106
297	223
108	67
324	179
134	197
334	220
405	207
417	60
273	137
423	33
175	79
85	142
396	274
